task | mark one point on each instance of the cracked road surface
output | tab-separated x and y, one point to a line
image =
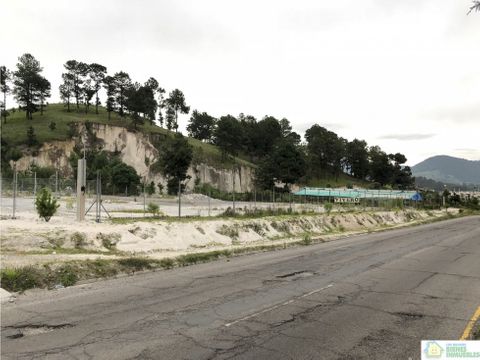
372	296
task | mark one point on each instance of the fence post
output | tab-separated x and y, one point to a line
179	198
14	189
144	196
99	197
34	187
209	198
56	184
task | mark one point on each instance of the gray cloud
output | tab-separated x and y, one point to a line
407	137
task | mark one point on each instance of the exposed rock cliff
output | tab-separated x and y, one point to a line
136	150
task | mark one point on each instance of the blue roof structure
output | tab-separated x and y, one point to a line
360	193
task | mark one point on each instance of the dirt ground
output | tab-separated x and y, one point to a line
27	241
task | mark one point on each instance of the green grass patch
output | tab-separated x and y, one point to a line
14	132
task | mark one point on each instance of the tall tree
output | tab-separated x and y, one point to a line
268	133
201	126
150	104
176	102
97	74
286	164
356	154
228	135
170	119
135	103
109	85
381	170
44	91
122	84
325	151
5	77
88	91
67	89
27	80
161	104
77	71
175	159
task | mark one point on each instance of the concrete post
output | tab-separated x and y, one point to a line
81	188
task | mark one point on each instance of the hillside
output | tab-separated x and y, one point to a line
15	131
448	169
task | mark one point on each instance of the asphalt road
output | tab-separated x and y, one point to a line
373	296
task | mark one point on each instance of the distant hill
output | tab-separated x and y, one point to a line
448	169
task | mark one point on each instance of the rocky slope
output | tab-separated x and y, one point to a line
136	150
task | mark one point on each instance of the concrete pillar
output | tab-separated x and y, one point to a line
81	188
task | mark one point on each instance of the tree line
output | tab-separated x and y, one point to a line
282	157
80	87
270	143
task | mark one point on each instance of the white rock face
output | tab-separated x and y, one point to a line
137	151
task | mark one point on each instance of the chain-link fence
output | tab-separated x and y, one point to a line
18	200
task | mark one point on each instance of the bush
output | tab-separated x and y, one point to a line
52	126
167	263
160	188
31	137
109	241
46	204
153	209
72	130
150	188
328	207
21	279
66	275
307	239
135	264
79	240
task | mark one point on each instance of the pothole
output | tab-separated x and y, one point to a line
409	315
33	329
295	275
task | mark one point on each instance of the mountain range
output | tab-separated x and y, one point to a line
449	169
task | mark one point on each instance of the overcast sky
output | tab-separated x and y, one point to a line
402	74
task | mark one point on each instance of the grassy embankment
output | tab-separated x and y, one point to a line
14	132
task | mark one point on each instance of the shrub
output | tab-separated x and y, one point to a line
167	263
153	209
307	239
150	188
135	264
109	241
21	279
72	130
31	137
52	126
46	204
66	275
328	207
160	188
78	239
